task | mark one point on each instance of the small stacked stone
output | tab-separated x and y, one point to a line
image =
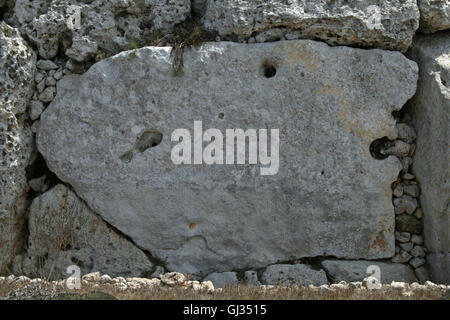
409	241
46	76
39	289
48	73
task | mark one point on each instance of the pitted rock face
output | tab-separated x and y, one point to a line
108	134
377	24
434	15
17	66
110	24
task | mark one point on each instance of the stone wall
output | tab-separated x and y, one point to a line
358	90
430	110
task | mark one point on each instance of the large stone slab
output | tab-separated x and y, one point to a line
353	271
293	275
329	197
63	231
381	24
434	15
17	66
431	110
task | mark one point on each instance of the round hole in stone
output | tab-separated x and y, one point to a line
270	69
221	115
376	146
149	139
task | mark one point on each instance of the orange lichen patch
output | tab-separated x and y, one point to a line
192	225
379	242
366	133
296	52
388	193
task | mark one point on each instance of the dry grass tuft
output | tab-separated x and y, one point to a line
94	291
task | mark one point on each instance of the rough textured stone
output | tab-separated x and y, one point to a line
47	95
404	204
412	190
431	110
396	148
353	271
398	190
36	108
293	274
406	132
330	196
46	65
17	67
434	15
417	239
111	24
402	257
173	278
422	274
25	10
402	236
418	252
251	278
407	223
406	246
382	24
82	49
63	231
221	280
417	262
38	184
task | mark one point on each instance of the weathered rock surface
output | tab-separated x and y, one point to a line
293	274
353	271
221	280
251	278
407	223
434	15
431	110
109	24
17	66
381	24
330	196
63	231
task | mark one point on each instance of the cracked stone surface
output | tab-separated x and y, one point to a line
431	113
330	196
63	231
380	24
17	66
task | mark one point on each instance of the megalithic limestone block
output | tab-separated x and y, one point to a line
63	232
108	134
17	66
431	112
371	23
